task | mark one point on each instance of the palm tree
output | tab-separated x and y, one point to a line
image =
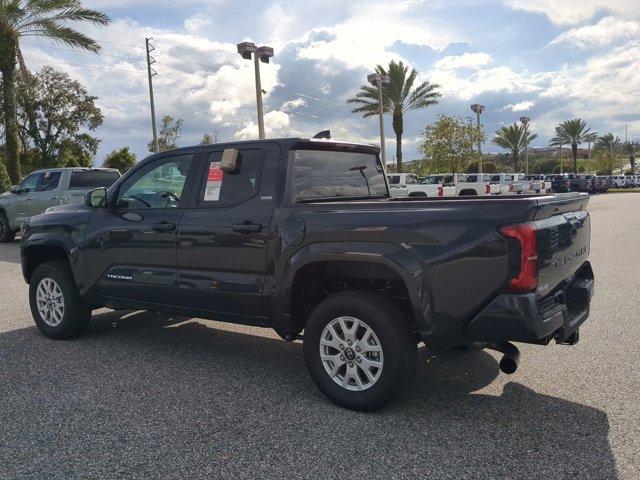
513	138
631	148
574	132
398	98
35	18
609	145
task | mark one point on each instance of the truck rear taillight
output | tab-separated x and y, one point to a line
511	187
488	189
523	256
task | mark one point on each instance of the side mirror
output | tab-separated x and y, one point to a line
229	163
15	189
96	197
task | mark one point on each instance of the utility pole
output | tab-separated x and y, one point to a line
478	109
152	73
525	122
378	80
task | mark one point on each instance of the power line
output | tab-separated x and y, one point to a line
83	66
82	51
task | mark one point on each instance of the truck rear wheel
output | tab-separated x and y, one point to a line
56	306
6	234
359	349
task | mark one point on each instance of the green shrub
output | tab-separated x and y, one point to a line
5	182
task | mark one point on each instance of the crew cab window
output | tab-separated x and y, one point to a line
411	179
495	178
394	179
158	185
90	179
219	189
30	183
49	181
472	178
327	174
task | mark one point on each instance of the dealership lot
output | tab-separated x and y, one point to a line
149	396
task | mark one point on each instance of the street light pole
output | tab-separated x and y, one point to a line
478	109
525	122
151	73
262	54
378	80
559	133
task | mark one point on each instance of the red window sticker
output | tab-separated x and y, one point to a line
214	183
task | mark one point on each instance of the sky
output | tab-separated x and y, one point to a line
549	60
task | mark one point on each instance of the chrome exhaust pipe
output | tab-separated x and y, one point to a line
509	362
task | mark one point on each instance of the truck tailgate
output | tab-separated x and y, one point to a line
564	233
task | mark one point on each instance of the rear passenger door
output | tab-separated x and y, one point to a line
223	235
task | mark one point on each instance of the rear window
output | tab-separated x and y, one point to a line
328	174
84	180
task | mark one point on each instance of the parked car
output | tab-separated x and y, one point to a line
559	183
443	182
407	185
303	236
601	183
583	182
504	181
474	184
618	181
45	188
538	184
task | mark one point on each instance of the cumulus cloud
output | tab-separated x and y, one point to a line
571	12
466	60
607	31
520	106
276	124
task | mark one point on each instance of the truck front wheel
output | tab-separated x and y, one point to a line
56	306
359	349
6	234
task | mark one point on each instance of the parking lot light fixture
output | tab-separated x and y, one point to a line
378	80
478	109
560	132
260	54
525	122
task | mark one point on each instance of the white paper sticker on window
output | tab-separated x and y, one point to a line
214	183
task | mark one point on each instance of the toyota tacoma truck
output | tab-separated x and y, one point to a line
302	236
47	188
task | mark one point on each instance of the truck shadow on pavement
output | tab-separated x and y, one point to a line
146	395
10	252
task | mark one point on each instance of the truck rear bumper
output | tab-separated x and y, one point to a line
525	318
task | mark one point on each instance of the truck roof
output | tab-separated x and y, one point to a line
76	169
287	143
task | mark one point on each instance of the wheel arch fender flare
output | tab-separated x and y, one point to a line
399	258
36	248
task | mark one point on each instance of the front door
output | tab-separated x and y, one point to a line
22	205
47	193
131	243
222	239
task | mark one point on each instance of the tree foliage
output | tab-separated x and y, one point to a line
35	18
54	114
398	98
122	159
513	138
170	132
573	132
209	138
449	144
5	181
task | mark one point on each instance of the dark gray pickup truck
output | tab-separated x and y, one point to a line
301	236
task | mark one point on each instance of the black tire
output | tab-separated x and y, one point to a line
6	234
76	314
397	339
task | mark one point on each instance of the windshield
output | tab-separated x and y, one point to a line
328	174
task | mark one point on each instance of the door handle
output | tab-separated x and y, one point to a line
29	199
247	227
163	227
54	198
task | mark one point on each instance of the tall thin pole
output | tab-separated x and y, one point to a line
561	165
256	64
479	144
381	112
151	73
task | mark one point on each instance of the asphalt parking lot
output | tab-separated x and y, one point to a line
149	396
